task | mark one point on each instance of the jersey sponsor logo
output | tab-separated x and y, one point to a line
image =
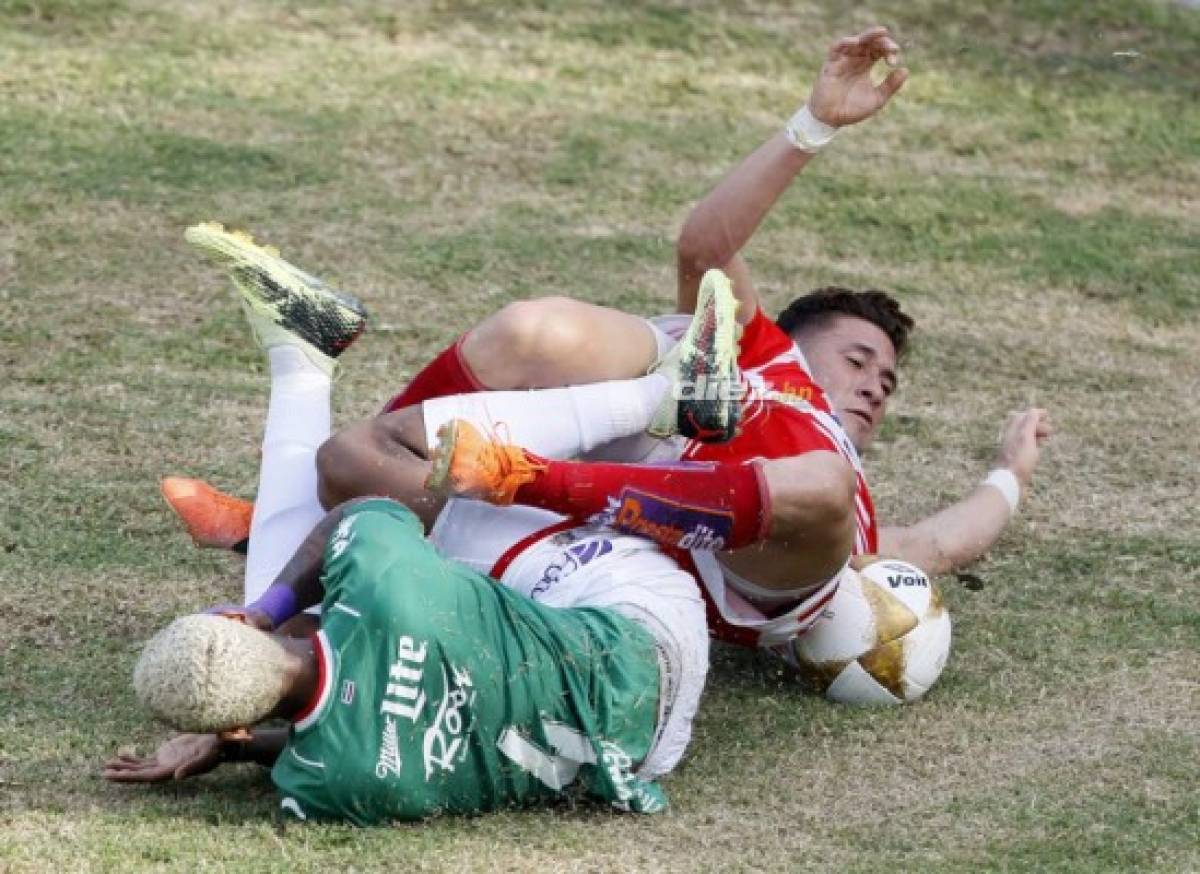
443	744
706	388
347	693
403	695
570	560
798	397
390	760
343	536
631	793
619	766
907	580
682	525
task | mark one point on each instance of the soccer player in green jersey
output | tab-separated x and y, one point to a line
429	688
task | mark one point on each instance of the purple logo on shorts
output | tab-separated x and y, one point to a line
570	560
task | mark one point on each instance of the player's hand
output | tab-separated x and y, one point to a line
1021	441
844	93
182	756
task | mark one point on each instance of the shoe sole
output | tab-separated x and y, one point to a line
282	294
710	420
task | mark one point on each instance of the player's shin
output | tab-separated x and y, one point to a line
298	421
710	507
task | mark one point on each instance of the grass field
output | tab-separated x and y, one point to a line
1031	196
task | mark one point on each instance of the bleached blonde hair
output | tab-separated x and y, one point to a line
209	673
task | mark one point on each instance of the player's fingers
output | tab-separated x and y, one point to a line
894	82
125	763
891	51
841	49
134	775
872	33
883	47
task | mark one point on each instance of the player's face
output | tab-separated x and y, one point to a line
855	362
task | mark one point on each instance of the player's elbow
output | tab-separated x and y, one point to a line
699	249
813	496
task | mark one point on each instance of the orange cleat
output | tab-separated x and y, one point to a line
467	464
213	518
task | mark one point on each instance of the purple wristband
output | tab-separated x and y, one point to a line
278	603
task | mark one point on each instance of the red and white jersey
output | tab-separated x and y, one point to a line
785	414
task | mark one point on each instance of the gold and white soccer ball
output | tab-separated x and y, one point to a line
883	638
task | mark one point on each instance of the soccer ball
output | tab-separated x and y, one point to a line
883	638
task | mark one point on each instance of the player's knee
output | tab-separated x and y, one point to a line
523	345
332	462
343	459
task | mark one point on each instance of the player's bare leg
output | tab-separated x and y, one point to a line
383	456
557	341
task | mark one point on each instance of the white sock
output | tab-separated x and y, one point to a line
555	422
286	509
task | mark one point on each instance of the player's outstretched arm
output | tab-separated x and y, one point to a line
722	223
190	755
959	534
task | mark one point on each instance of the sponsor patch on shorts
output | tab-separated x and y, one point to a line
571	559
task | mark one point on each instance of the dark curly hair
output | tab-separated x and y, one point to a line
877	307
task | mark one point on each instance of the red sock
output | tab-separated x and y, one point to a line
691	505
447	374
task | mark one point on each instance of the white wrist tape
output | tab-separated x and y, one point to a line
808	133
1006	481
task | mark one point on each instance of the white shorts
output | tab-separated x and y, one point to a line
668	330
584	567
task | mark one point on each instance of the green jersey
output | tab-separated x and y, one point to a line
440	690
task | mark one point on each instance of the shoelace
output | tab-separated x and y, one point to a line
512	463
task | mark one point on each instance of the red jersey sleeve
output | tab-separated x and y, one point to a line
761	342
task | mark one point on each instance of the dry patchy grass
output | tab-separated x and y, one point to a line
1031	198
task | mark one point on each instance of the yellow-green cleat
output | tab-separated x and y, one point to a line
704	402
284	304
